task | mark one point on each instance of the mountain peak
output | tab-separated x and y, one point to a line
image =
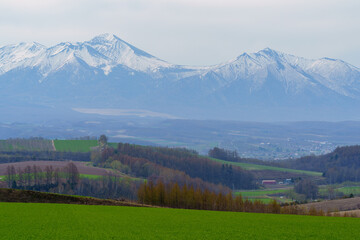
107	37
82	73
270	52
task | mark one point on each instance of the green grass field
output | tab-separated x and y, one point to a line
341	188
263	195
250	166
350	189
90	176
25	145
264	200
77	145
61	221
5	146
256	193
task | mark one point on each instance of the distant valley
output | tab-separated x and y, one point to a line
279	140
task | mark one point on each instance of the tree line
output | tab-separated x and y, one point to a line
187	197
233	156
192	164
343	164
67	181
143	168
23	156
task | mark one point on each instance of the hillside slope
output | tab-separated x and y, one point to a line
26	196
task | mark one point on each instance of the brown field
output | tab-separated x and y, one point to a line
351	213
83	169
336	205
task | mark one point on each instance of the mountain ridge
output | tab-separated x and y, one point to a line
266	85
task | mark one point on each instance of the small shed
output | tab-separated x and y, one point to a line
268	182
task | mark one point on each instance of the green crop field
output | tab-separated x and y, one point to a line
77	145
25	145
341	188
62	221
264	200
250	166
90	176
256	193
5	146
263	195
350	189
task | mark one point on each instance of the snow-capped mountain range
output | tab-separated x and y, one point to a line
109	73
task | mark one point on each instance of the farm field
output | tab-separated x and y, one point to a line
351	213
65	221
264	195
250	166
355	190
77	145
256	193
344	189
25	145
336	205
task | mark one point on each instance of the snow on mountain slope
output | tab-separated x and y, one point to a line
295	73
120	52
104	51
107	51
79	75
20	55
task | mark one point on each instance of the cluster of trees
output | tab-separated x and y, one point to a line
307	188
35	178
22	156
342	174
192	164
67	181
224	154
143	168
173	165
187	197
343	164
233	156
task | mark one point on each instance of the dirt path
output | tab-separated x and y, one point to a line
53	145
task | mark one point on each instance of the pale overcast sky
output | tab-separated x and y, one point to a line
193	32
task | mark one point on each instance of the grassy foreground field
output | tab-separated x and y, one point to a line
62	221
